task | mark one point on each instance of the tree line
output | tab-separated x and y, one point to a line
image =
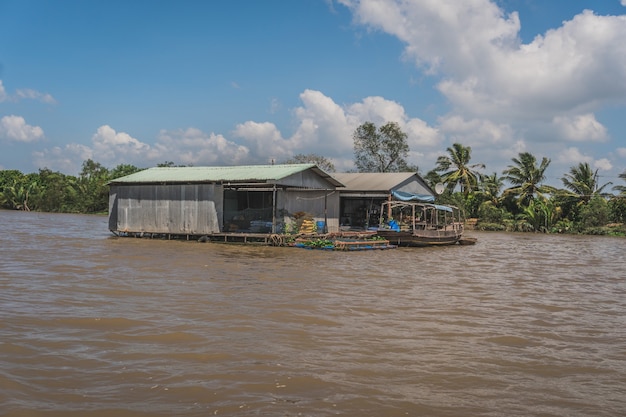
583	205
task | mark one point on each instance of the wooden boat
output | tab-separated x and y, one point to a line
408	223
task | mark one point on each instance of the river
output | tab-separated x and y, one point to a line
516	325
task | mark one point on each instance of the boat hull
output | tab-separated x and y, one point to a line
420	238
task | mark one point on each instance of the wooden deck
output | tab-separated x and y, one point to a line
345	241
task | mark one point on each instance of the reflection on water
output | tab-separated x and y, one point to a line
519	324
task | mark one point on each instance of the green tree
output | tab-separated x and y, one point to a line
9	176
582	182
321	161
381	150
456	169
538	216
122	170
527	178
595	214
490	188
18	193
92	187
432	178
617	207
58	192
8	179
489	199
621	188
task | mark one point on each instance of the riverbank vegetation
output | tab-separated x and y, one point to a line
515	200
583	205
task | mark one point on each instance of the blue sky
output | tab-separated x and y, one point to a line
247	82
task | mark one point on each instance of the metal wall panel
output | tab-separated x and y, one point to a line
170	209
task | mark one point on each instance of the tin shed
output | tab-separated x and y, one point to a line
363	194
208	200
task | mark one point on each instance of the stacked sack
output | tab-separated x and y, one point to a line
307	227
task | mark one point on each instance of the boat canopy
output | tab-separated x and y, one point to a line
404	196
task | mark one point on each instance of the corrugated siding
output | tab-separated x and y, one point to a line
171	209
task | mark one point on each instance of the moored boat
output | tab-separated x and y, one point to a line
408	223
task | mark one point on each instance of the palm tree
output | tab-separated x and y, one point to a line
538	216
583	182
621	188
527	178
456	169
490	186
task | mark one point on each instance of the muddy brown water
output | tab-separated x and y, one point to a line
517	325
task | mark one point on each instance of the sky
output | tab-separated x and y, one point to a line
248	82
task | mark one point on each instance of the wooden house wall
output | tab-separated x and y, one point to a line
311	202
193	209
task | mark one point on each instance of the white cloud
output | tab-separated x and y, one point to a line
572	156
35	95
581	128
481	132
183	146
110	148
191	146
325	128
488	72
110	145
329	127
603	164
264	140
322	127
14	128
3	94
508	96
621	151
67	159
27	93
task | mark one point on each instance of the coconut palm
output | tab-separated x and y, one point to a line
455	168
490	187
582	182
527	178
621	188
539	216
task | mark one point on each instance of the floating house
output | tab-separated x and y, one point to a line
364	193
195	201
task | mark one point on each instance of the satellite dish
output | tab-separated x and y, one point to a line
439	188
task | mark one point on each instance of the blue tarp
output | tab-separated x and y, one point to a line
404	196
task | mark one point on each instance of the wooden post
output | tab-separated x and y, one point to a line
325	230
274	209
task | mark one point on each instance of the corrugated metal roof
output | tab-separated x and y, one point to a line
372	181
239	174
